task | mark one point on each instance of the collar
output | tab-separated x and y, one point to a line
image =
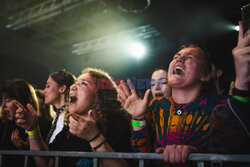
59	110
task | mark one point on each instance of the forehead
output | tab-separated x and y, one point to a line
159	74
85	76
50	80
192	50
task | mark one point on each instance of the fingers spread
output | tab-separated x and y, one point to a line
145	99
131	86
125	89
122	92
120	99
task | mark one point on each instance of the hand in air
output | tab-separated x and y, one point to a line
241	54
129	99
26	118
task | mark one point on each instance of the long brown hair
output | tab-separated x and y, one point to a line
106	102
22	91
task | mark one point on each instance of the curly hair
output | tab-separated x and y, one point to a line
106	102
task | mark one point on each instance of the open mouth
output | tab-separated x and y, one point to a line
159	95
72	99
178	70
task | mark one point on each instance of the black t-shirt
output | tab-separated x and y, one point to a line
118	137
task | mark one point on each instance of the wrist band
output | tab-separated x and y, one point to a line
244	100
242	93
138	123
96	147
96	137
33	132
139	119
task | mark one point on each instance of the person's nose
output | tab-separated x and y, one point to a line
73	87
181	59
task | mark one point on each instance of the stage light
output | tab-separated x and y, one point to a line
137	49
236	28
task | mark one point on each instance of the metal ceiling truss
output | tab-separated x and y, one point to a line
43	11
142	32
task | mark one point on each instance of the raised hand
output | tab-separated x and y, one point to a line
26	119
130	100
176	153
83	127
241	55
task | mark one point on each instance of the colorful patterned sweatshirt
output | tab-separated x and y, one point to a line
170	123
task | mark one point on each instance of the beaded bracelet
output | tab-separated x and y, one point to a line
99	145
96	137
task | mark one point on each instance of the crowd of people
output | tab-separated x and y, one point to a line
189	112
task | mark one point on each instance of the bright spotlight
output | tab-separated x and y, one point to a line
137	49
237	28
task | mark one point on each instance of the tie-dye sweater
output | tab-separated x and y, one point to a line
170	123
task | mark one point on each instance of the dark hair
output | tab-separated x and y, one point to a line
63	78
106	102
22	91
164	68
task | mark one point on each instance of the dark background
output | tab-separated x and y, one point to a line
39	49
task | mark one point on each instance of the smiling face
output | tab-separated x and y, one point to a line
187	68
51	91
82	95
159	84
9	108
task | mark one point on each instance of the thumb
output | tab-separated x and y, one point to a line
159	150
145	99
31	109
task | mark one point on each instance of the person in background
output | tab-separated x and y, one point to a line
98	123
22	91
46	114
56	93
230	125
159	83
